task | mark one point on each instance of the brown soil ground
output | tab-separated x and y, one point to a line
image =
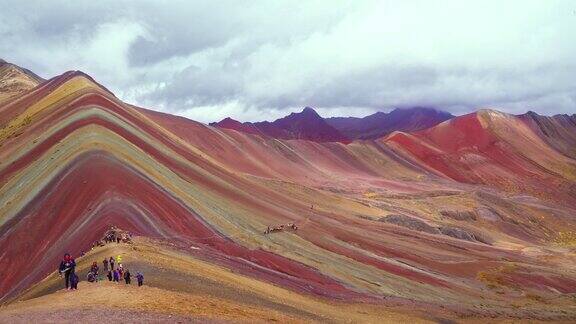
180	288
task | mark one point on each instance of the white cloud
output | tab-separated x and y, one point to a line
260	60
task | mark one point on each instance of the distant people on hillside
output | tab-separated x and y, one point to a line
114	234
67	268
127	276
97	243
140	278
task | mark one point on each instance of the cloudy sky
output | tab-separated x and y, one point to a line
256	60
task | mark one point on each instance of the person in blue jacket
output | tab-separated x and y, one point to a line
67	268
74	281
140	278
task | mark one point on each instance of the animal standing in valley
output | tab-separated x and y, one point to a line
281	228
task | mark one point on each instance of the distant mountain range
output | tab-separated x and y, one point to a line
305	125
308	125
559	131
381	123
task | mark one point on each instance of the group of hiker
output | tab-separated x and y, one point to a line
112	267
119	273
113	235
67	270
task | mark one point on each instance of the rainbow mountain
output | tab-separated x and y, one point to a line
471	218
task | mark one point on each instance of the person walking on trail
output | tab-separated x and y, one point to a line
112	263
105	264
67	268
116	276
127	276
140	278
74	281
109	275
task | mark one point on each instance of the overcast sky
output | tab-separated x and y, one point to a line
256	60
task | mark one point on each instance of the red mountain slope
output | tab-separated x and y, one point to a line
490	147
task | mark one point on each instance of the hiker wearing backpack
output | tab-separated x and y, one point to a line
140	278
127	276
67	268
